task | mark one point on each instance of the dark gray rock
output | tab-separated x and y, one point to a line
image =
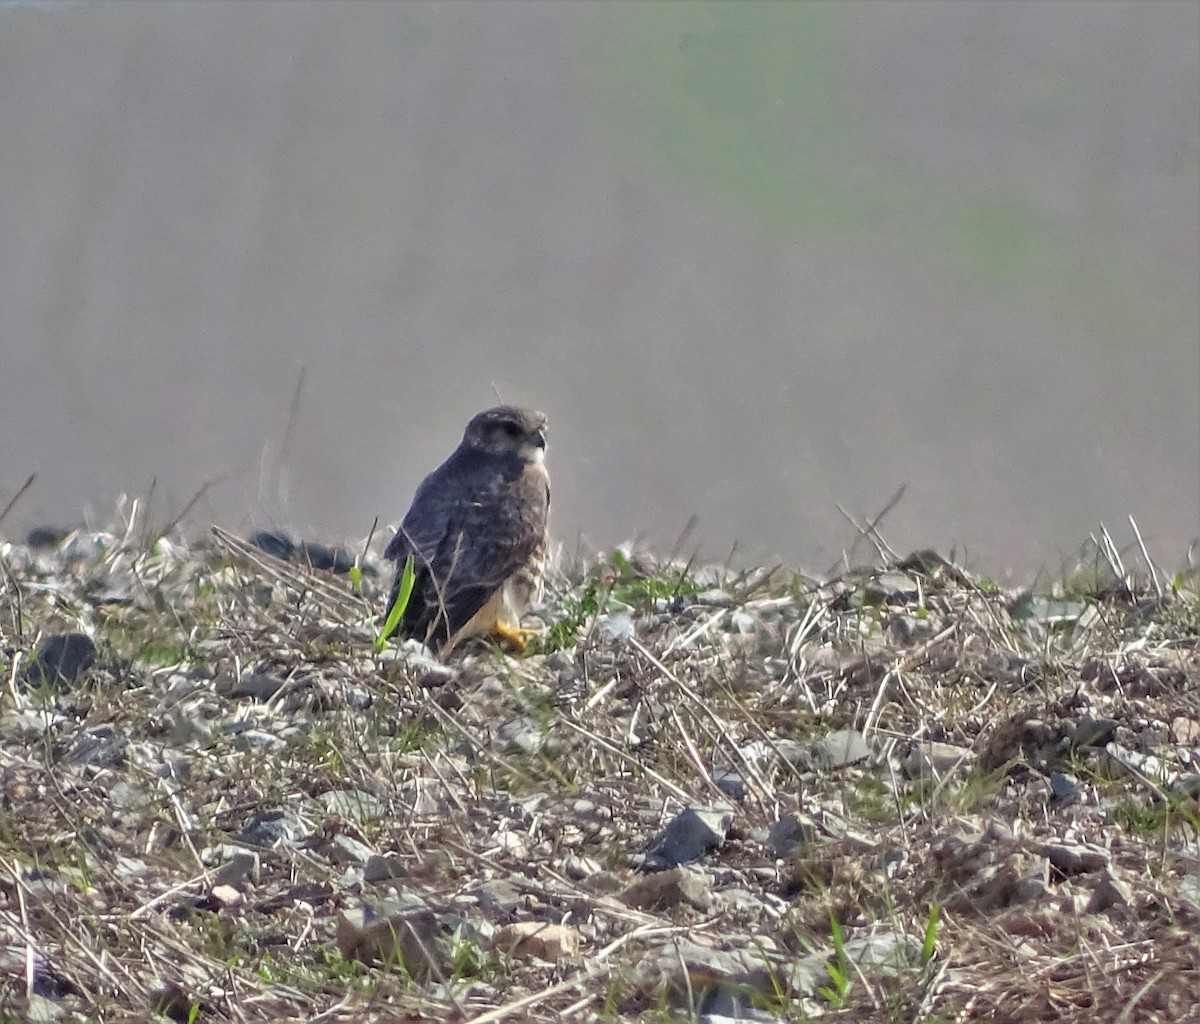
271	828
275	543
260	686
344	849
730	783
383	868
498	896
46	536
1186	785
61	659
690	835
931	760
1064	790
1093	732
322	556
243	866
1072	859
102	747
790	834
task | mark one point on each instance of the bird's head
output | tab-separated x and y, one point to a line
508	430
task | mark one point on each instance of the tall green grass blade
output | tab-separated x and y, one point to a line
929	946
399	606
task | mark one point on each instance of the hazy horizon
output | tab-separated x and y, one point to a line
754	261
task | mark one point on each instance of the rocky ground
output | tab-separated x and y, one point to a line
901	794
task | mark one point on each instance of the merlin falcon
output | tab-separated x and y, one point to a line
477	534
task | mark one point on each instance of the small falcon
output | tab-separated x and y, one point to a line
477	533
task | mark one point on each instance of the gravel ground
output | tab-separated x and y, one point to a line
900	794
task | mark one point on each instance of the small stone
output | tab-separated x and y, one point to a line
242	867
792	751
891	588
126	796
617	627
1110	892
353	805
40	1010
1094	732
790	834
1064	790
840	749
271	828
405	936
690	835
668	889
102	747
499	896
226	895
538	940
1070	859
382	868
893	863
1186	785
343	849
1185	731
248	739
578	868
61	659
28	725
523	734
925	760
730	783
1123	761
742	622
260	686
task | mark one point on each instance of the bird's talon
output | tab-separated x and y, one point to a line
515	635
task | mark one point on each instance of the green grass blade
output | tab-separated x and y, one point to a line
399	606
929	946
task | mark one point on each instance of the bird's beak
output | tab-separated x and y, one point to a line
540	440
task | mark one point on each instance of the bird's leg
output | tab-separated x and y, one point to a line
515	635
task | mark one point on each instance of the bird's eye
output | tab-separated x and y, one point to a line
512	430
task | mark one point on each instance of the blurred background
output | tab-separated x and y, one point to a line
754	260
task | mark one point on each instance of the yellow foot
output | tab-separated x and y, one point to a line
515	635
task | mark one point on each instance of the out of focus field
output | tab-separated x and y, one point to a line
753	260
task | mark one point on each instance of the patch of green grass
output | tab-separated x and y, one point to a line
839	969
325	965
576	612
640	587
872	800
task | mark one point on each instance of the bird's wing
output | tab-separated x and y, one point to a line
427	520
490	538
420	535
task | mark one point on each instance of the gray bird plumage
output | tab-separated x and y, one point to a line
477	531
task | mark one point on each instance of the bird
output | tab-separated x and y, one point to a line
477	532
